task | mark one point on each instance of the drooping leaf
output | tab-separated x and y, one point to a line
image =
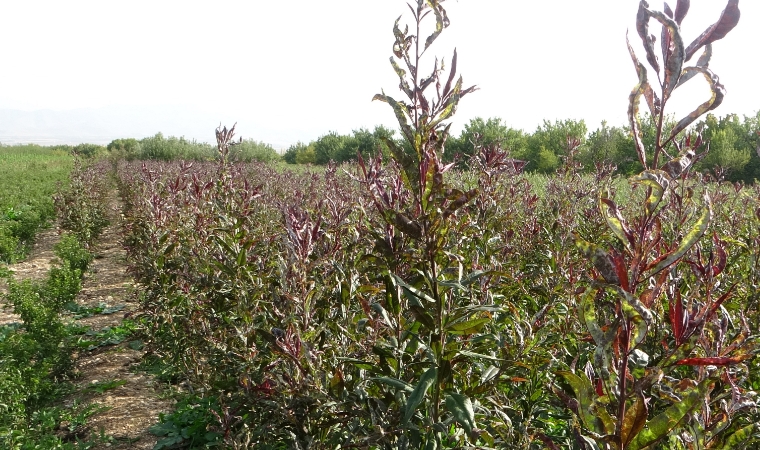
696	233
602	339
642	27
658	182
441	21
458	200
403	83
602	261
408	226
703	61
635	419
588	316
727	21
401	114
675	53
679	317
653	102
418	395
592	414
615	220
633	104
675	167
716	98
659	426
407	162
460	407
638	322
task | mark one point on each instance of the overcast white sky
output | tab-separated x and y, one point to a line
294	70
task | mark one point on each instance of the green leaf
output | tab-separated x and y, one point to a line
461	407
716	98
401	114
418	395
614	220
658	181
489	374
469	327
665	422
740	438
470	354
696	233
410	290
393	382
593	414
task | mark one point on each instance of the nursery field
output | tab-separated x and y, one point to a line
404	300
325	310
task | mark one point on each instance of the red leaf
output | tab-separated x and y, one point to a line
718	268
682	7
713	361
728	20
720	301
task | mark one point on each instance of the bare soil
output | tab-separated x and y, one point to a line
133	407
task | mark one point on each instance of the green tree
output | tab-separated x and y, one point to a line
306	155
333	147
724	157
251	150
733	146
291	153
485	132
368	143
552	138
611	145
125	148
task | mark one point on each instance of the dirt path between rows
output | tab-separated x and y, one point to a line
134	406
128	410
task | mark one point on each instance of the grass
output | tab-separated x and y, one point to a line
29	176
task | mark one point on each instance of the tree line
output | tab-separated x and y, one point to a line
732	145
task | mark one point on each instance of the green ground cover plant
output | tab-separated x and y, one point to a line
36	355
29	176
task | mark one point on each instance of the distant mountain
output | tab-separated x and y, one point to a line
102	125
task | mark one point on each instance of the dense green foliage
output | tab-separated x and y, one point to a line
161	148
36	354
29	175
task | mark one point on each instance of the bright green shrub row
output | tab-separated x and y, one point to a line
36	355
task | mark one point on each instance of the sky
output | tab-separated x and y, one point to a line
294	70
